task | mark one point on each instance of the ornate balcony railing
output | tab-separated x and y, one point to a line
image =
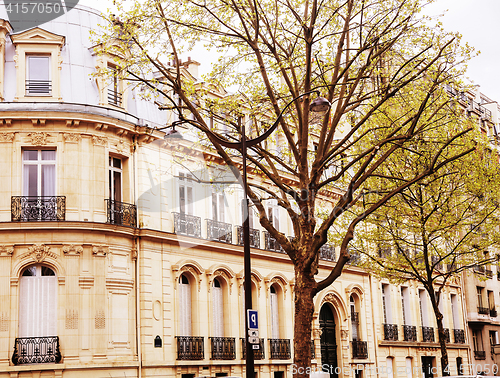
121	213
410	333
493	313
258	354
36	350
34	209
489	273
223	348
219	231
38	87
185	224
114	97
354	258
483	310
359	349
446	335
479	268
279	349
391	332
327	253
459	336
479	354
271	243
428	334
190	348
254	237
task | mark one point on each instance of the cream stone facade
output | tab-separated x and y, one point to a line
115	261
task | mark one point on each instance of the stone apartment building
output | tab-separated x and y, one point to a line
115	261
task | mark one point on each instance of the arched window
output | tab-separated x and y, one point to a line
275	324
184	306
37	302
218	308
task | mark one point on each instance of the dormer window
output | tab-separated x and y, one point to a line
114	88
38	81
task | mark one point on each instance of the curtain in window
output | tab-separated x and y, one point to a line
275	325
218	311
184	308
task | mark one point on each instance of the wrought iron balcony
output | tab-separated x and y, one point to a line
410	333
354	259
428	334
489	273
114	97
38	87
493	313
254	237
479	354
271	243
219	231
359	349
279	349
223	348
459	336
327	253
121	213
446	335
185	224
391	332
34	209
36	350
258	354
190	348
483	310
479	268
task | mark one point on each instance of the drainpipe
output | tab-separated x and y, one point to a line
137	242
373	323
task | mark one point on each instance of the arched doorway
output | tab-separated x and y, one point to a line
328	340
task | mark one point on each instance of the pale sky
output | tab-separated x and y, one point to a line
477	20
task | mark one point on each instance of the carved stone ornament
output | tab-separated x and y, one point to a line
99	141
280	282
38	139
133	254
121	146
7	137
6	250
224	275
72	250
72	137
194	273
344	334
100	250
40	252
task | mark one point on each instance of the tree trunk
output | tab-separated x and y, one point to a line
304	310
442	343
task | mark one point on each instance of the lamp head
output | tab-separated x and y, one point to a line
319	105
172	134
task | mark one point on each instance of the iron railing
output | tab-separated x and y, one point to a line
219	231
190	348
428	334
223	348
185	224
254	237
33	209
479	268
258	354
354	259
121	213
493	313
114	97
38	87
279	349
327	253
36	350
410	333
459	336
391	332
359	349
479	354
483	310
489	273
271	243
446	335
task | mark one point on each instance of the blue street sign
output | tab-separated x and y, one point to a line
253	319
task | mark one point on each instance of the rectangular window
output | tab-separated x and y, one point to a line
185	193
114	87
491	301
38	81
115	179
477	341
454	311
386	304
273	214
479	296
39	173
423	308
218	207
405	305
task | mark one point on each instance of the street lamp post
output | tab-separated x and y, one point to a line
318	105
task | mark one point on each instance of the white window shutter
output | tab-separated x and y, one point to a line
275	329
218	312
185	309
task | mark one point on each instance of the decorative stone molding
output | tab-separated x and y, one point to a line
38	122
6	250
99	141
100	250
219	273
72	250
7	137
72	122
344	334
119	285
39	252
121	146
193	268
256	280
278	280
100	320
71	319
38	139
354	289
72	138
86	282
133	254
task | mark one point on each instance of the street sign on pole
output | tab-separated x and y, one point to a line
253	319
253	332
